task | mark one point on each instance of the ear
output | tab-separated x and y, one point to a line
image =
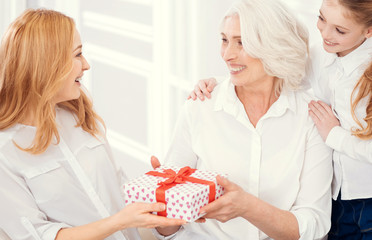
369	32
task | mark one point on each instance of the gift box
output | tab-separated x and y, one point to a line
183	190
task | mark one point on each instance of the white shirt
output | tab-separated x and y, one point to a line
283	161
73	183
333	80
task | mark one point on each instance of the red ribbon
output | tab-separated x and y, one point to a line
174	178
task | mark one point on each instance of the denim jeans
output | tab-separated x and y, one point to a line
351	219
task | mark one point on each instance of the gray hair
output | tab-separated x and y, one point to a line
271	33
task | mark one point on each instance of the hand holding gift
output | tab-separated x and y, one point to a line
183	190
231	205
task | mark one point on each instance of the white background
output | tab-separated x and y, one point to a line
145	56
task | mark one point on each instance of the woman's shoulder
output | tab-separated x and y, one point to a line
208	105
8	135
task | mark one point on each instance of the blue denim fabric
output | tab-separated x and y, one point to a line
351	219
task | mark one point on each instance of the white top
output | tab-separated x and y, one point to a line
333	80
73	183
283	161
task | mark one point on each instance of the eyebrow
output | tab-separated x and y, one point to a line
335	25
80	46
234	37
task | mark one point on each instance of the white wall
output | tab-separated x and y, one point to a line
145	56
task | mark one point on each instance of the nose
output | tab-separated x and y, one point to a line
85	65
229	52
326	32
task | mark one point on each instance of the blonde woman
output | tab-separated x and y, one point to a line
57	176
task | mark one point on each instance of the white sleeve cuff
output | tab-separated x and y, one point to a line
47	231
311	227
336	137
169	237
306	225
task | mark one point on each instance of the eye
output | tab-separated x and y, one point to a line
320	18
339	31
79	54
224	40
240	43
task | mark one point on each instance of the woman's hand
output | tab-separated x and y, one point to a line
132	216
323	118
230	205
155	163
140	215
203	88
276	223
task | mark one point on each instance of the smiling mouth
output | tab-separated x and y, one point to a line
237	69
329	43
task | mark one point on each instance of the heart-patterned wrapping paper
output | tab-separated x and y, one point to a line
183	200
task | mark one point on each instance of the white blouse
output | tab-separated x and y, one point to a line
73	183
282	160
333	80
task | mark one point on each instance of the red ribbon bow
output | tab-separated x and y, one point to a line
174	178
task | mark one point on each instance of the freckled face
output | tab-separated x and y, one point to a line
340	33
71	88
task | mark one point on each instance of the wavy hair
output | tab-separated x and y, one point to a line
363	90
271	33
35	60
361	12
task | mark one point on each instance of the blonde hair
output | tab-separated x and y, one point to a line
271	33
364	89
361	10
35	60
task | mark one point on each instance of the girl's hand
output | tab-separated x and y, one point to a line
203	88
323	118
231	205
139	215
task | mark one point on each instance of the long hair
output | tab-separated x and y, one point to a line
360	10
364	91
35	60
272	33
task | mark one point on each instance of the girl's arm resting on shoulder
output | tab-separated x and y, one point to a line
343	141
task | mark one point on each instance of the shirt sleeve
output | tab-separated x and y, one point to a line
344	142
312	207
21	218
180	152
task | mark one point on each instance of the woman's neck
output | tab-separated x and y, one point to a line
257	99
29	119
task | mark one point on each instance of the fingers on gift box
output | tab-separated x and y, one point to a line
184	190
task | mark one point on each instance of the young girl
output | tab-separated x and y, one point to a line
346	28
57	177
